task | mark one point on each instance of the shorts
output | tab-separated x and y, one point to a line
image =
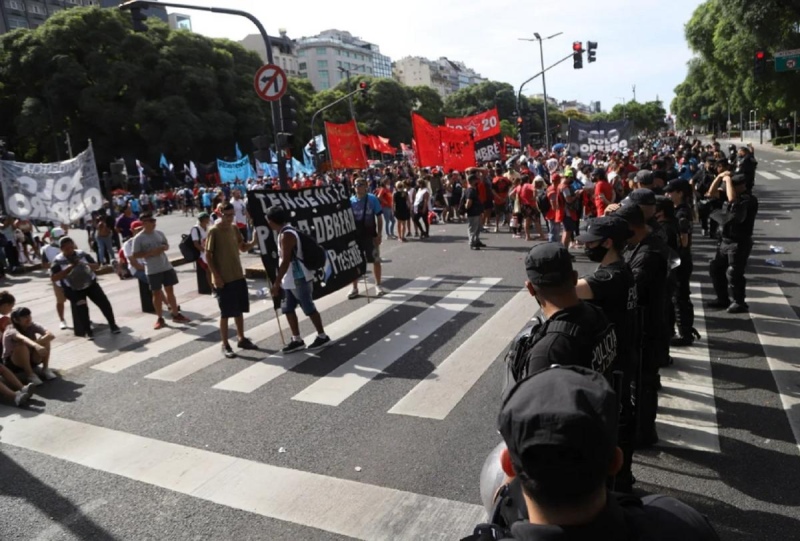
233	299
162	279
59	291
302	295
500	209
569	224
531	212
371	251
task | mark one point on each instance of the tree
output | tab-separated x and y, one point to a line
386	111
508	129
481	97
428	103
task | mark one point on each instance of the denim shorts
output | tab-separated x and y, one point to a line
302	295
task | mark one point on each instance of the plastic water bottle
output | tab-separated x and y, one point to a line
774	263
777	249
263	292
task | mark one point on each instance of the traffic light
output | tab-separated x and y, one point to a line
591	52
138	18
760	63
577	55
364	87
288	114
285	141
520	123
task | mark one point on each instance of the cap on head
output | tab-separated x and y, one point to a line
136	224
203	216
631	213
548	265
678	185
642	196
569	409
606	227
56	233
645	177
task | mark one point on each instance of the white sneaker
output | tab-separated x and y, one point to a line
20	399
62	325
48	374
27	389
353	294
379	291
35	381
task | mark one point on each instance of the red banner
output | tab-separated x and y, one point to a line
384	147
365	140
428	142
458	149
344	144
510	142
483	125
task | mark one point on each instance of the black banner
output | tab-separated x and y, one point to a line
586	137
322	213
488	149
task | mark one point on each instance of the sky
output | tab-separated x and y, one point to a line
640	42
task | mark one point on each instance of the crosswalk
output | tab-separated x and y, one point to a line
778	175
687	412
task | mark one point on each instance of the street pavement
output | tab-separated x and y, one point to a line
382	435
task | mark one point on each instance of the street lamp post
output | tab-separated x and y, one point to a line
350	89
623	107
540	39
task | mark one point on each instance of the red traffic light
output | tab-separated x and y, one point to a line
760	55
577	46
362	85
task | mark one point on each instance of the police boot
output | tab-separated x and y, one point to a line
647	435
686	337
738	308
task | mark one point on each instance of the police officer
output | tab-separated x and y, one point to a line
736	221
702	182
647	259
560	429
612	287
680	192
747	164
573	331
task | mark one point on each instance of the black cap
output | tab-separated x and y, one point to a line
631	213
738	178
599	173
548	264
678	185
570	408
606	227
664	203
642	196
644	177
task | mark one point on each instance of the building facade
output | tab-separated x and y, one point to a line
443	75
326	58
284	50
32	13
179	21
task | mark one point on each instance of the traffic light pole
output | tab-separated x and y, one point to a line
282	173
314	116
544	90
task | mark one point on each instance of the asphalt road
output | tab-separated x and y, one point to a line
378	436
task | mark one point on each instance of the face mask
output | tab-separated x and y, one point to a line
596	254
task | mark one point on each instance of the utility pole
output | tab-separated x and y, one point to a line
794	130
540	39
634	92
69	144
349	91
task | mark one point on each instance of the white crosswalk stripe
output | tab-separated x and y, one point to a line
687	412
769	176
259	374
790	174
348	378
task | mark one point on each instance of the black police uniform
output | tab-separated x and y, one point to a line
746	165
706	205
737	221
650	267
681	300
668	232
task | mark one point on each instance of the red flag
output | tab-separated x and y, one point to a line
510	142
428	142
344	144
374	143
483	125
458	149
384	147
365	140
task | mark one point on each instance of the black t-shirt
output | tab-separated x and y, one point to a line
561	348
614	291
477	206
655	518
649	265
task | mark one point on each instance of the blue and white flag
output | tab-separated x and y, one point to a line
163	162
230	172
238	152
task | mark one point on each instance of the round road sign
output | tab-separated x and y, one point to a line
270	82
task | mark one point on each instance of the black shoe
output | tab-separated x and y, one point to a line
738	308
648	439
319	341
718	303
474	247
227	350
245	343
480	245
682	340
294	345
115	329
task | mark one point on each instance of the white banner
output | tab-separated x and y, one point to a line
61	192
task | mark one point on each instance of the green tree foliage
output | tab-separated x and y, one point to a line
724	34
646	117
478	98
428	103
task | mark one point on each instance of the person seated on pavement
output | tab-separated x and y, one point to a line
560	429
27	345
10	386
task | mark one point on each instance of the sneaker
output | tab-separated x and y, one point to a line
48	374
227	350
27	389
319	341
34	380
160	324
294	345
474	247
379	291
20	399
180	318
353	294
245	343
90	335
738	308
62	325
718	303
115	329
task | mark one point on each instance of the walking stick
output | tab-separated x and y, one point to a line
366	288
277	315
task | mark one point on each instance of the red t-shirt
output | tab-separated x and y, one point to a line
554	202
602	187
385	197
565	208
527	195
501	186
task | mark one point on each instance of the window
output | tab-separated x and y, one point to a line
323	74
322	64
13	4
301	52
324	85
36	8
301	66
16	22
322	50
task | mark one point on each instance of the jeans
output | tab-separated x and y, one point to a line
554	231
104	245
474	228
389	221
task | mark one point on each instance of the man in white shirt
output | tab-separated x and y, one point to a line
48	253
240	215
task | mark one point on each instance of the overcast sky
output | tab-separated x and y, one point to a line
640	42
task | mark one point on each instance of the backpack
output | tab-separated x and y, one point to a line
189	251
543	202
314	254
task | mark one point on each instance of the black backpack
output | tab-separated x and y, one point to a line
543	202
189	251
314	256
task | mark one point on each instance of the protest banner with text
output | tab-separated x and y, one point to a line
235	172
344	145
483	125
586	137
